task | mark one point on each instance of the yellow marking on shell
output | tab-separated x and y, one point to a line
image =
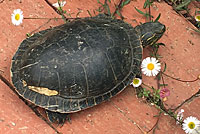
24	83
41	90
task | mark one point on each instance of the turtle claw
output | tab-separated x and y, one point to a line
58	118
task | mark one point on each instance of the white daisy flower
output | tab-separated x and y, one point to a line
197	18
136	82
150	66
17	17
190	124
62	3
179	116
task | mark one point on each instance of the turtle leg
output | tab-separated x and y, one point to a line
58	118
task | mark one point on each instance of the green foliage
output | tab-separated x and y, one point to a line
89	13
163	85
183	5
156	95
120	6
146	92
155	48
28	35
62	12
156	20
147	4
146	14
104	7
165	67
124	3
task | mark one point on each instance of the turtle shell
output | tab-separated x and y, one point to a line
77	65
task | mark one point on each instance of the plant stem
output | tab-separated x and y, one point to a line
56	10
180	79
118	7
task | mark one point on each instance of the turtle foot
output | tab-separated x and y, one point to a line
58	118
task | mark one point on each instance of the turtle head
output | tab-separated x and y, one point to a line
150	32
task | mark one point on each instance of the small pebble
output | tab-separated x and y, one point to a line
13	123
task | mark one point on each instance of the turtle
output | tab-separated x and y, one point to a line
80	64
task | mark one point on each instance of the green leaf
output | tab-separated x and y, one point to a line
146	93
105	7
156	20
118	13
165	67
162	85
89	13
144	14
183	5
158	91
156	116
28	35
126	2
99	2
139	11
99	10
153	88
147	3
140	95
108	9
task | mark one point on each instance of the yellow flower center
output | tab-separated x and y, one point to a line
197	17
17	17
191	125
150	66
136	81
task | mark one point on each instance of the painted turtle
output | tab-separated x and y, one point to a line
80	64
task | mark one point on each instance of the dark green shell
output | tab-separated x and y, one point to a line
86	62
